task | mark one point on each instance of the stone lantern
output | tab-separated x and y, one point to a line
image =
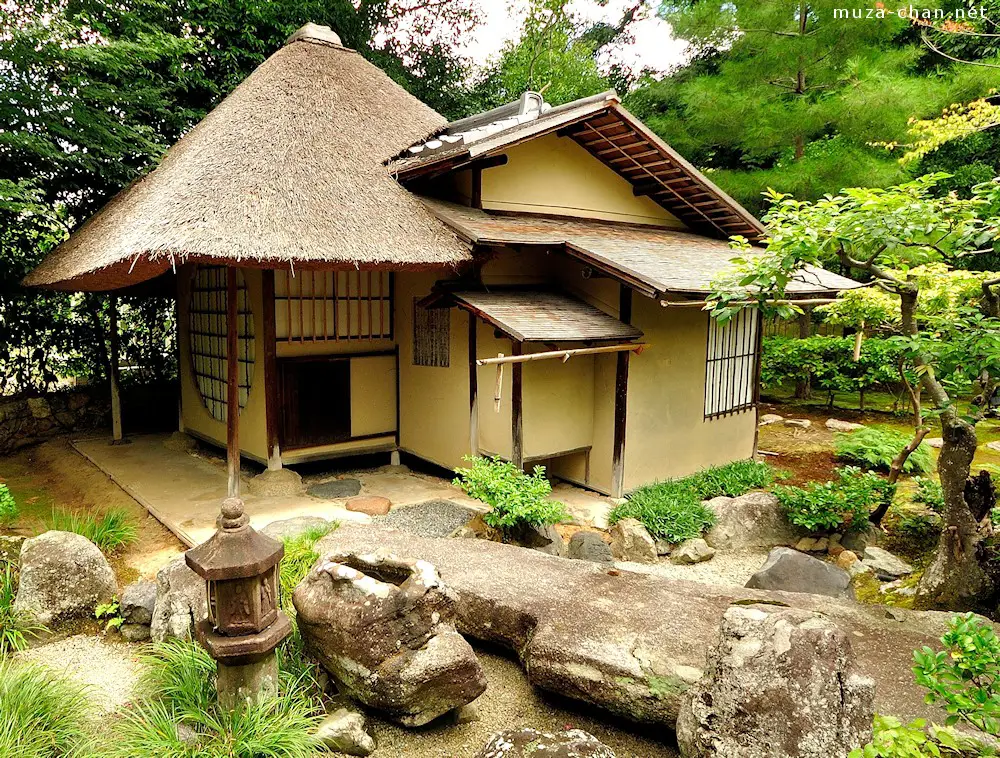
244	624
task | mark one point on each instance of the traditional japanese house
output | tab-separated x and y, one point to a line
361	276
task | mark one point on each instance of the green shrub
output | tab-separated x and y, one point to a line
516	499
731	480
874	448
671	510
15	627
894	739
112	531
178	689
8	506
929	493
847	502
42	715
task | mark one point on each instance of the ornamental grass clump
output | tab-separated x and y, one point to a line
42	715
516	499
16	628
845	502
874	448
671	510
112	531
732	479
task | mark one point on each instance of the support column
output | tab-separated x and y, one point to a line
516	400
232	383
272	410
621	400
117	437
473	388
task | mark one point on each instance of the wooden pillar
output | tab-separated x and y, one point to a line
272	409
233	383
116	402
621	400
516	400
473	389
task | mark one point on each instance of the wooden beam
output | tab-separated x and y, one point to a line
272	402
116	402
621	400
516	409
563	355
473	388
232	384
477	187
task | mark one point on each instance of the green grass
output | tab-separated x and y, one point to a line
672	510
875	448
112	531
15	628
300	555
8	506
42	715
178	688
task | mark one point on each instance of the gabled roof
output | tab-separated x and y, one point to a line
602	126
653	260
289	169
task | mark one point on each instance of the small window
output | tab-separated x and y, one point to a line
331	306
431	335
731	364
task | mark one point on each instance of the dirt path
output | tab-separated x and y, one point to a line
53	476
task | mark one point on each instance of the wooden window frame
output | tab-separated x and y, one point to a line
334	306
732	365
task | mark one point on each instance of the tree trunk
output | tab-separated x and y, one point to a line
803	387
894	471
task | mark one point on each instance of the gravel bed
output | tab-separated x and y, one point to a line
433	518
726	569
109	671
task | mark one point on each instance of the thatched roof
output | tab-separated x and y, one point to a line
287	170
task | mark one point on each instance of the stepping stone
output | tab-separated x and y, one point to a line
335	489
373	505
433	518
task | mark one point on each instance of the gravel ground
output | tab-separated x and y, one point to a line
727	569
509	703
108	671
434	518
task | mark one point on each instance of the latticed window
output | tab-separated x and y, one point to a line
209	353
431	335
731	364
314	306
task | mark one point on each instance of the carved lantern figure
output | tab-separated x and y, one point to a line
244	624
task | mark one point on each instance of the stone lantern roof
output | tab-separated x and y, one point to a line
236	550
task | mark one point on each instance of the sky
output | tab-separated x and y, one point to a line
653	47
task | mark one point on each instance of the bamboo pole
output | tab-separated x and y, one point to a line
563	355
232	384
116	402
703	303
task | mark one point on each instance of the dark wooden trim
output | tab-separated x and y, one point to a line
326	455
398	432
113	380
473	388
233	376
355	438
476	197
272	402
516	408
621	400
335	356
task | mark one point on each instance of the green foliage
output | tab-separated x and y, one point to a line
670	510
8	506
179	689
516	499
15	628
300	555
929	493
894	739
42	715
732	479
964	677
111	614
112	531
875	448
845	502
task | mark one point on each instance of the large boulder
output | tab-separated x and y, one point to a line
383	628
63	576
138	603
588	546
530	743
631	542
181	602
751	521
792	571
780	683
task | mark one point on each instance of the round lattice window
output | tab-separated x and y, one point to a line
209	356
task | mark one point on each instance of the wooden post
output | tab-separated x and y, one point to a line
116	402
516	425
272	408
232	383
621	400
473	389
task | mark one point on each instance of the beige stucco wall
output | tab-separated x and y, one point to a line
555	175
666	432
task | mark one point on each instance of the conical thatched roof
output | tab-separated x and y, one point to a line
287	170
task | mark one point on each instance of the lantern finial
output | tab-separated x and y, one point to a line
233	517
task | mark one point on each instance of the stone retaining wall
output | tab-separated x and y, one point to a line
28	419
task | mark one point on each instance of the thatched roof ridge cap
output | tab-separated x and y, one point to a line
318	35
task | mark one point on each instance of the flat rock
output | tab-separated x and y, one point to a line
935	442
692	551
530	743
135	632
343	731
751	521
290	528
588	546
432	518
63	576
627	642
335	489
181	602
791	571
282	482
836	425
373	505
884	564
631	542
801	423
770	418
138	602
